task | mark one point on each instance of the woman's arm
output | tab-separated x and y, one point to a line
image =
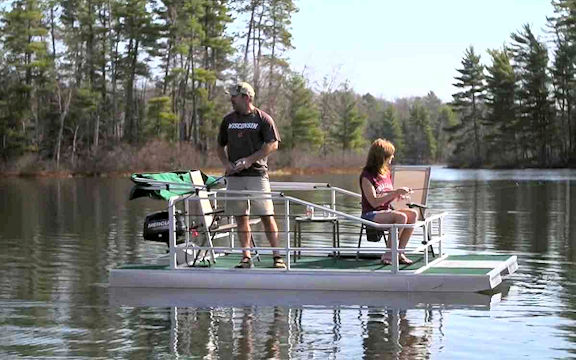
375	200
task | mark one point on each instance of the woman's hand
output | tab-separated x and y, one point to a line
402	192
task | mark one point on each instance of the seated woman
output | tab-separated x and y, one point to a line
378	193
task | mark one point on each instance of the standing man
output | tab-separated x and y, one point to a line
247	136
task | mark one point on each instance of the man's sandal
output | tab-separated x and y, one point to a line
279	262
246	263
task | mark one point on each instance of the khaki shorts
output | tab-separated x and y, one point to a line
259	207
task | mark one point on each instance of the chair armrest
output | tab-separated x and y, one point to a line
416	205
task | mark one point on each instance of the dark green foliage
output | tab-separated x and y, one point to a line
161	122
420	144
466	136
563	77
79	76
25	66
534	108
445	120
389	128
349	128
501	123
303	129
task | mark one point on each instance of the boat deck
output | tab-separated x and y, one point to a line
468	273
443	273
452	264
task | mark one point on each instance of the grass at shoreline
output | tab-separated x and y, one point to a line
213	171
157	156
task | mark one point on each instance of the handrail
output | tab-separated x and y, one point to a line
276	195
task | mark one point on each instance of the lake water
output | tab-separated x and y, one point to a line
59	238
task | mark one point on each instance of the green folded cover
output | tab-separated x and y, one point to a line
164	185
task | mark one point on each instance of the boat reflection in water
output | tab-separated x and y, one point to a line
292	324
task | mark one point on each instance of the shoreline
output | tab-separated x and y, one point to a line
286	171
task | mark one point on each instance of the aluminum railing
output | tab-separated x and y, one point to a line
279	196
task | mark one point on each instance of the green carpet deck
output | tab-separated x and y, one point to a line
331	263
319	262
438	269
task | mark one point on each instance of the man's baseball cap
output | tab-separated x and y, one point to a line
241	88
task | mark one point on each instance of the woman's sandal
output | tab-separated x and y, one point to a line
404	260
385	261
401	259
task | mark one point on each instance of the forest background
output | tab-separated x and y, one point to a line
100	86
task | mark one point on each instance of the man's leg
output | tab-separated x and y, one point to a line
271	230
244	234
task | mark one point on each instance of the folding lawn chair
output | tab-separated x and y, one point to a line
208	221
416	178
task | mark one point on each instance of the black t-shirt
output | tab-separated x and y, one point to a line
244	135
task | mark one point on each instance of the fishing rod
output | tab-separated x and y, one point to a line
515	185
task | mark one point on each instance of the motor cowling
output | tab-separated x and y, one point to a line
156	226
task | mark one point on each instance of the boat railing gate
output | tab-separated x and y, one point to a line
431	223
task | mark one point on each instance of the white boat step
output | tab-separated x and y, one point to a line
474	264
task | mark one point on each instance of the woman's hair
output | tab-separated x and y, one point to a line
380	151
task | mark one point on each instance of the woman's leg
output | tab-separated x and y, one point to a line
411	216
390	217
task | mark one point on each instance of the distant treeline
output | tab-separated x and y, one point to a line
81	79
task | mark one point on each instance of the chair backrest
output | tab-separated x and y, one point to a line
204	208
414	177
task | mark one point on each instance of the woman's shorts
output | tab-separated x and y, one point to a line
257	207
370	215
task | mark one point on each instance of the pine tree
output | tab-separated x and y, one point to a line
265	41
534	106
372	109
467	104
161	122
328	107
216	47
28	63
420	145
303	130
388	127
349	127
564	75
139	35
501	123
446	119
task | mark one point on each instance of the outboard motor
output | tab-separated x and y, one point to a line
156	226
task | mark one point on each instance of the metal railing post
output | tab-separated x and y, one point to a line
187	219
425	241
287	230
441	232
333	199
394	246
172	233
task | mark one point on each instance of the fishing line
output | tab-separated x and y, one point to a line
497	187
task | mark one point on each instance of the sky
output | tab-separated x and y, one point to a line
395	48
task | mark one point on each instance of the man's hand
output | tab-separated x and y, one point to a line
242	164
229	168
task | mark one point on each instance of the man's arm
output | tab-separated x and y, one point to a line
265	150
223	156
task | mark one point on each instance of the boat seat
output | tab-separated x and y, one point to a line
209	221
416	178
